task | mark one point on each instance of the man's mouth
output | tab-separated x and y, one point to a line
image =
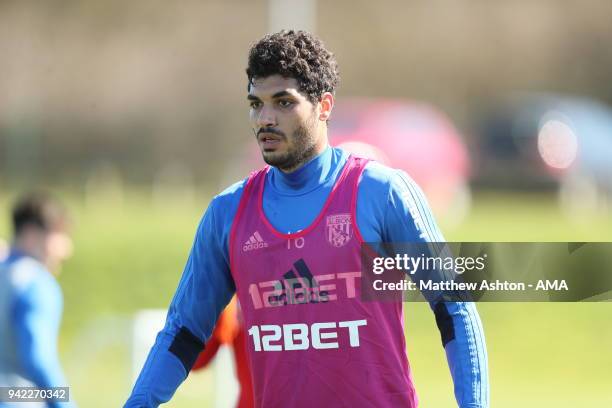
264	135
269	141
268	137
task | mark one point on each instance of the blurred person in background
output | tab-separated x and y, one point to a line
303	219
30	297
4	249
230	331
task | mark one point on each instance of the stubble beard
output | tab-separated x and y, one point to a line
303	149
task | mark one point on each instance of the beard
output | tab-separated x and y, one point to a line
302	149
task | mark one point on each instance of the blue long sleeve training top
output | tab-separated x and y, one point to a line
390	208
30	314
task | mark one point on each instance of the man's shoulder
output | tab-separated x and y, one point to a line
382	178
376	172
231	193
225	204
26	273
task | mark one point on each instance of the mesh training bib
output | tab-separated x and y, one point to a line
311	341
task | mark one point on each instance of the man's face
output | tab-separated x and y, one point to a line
50	246
284	121
58	248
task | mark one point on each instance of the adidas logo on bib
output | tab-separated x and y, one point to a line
255	241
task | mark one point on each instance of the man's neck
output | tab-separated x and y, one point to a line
24	247
307	177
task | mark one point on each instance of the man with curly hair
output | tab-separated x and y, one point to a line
287	240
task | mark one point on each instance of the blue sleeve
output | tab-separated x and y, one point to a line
203	291
405	217
37	315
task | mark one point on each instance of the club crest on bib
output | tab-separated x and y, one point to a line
339	230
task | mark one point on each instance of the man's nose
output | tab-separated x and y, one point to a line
266	117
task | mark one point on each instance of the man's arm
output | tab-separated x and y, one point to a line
403	215
36	318
409	219
205	288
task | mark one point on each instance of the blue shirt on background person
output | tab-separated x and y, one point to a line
31	300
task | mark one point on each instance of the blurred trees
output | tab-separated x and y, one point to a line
144	83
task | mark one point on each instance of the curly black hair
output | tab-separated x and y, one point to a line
295	54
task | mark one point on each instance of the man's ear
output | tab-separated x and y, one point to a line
326	105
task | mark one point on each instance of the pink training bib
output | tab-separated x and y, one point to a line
311	341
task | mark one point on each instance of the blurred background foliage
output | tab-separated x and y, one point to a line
135	114
145	83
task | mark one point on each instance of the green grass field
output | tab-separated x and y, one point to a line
130	257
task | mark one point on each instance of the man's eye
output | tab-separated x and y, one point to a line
255	104
285	103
